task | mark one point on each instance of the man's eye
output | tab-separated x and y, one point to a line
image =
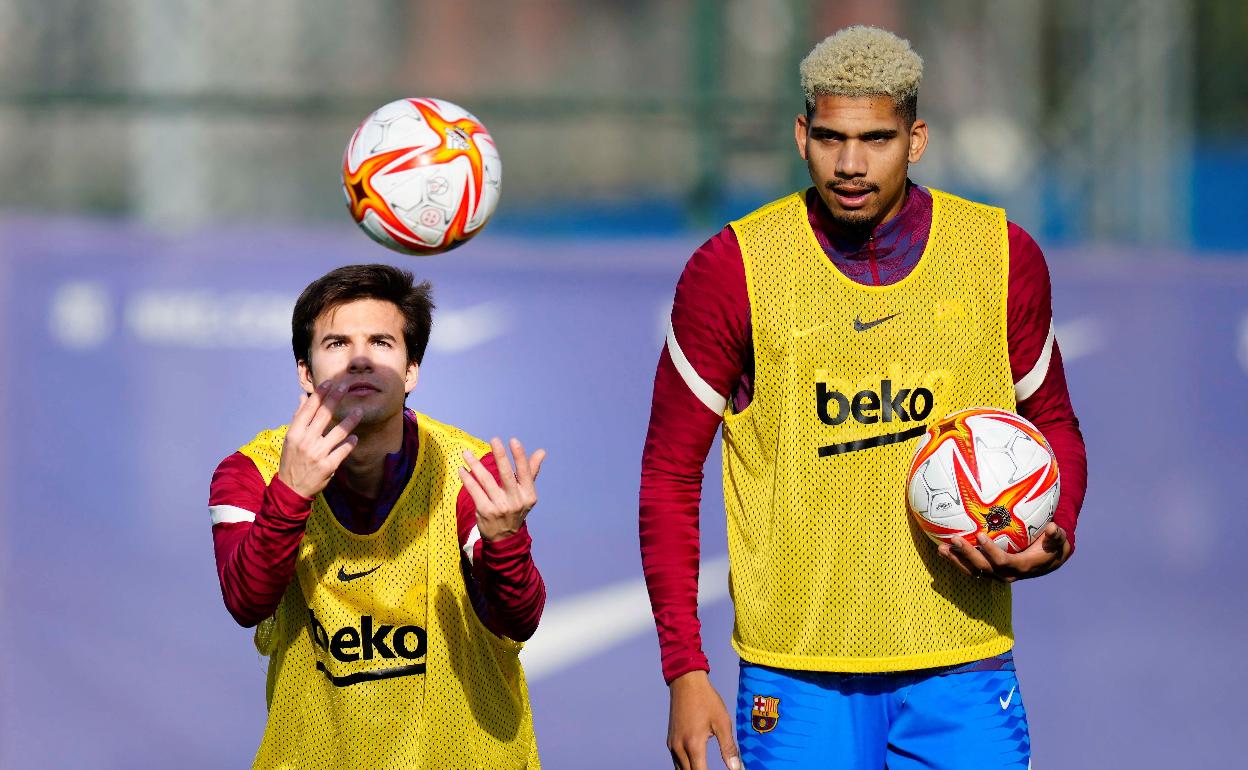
383	343
335	344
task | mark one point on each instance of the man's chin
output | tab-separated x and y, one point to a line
854	220
374	416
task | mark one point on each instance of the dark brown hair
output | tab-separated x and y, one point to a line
354	282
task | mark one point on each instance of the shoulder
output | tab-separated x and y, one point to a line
237	486
1023	248
720	250
444	434
1029	272
948	199
784	206
266	439
714	269
265	450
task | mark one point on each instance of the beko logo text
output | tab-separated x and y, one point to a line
370	641
870	406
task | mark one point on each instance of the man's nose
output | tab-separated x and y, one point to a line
360	362
851	161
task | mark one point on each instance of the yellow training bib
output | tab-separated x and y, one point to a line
377	659
828	572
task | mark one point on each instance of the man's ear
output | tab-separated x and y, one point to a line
305	377
411	376
799	135
918	141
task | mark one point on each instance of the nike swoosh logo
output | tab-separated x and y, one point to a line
859	326
1005	702
347	577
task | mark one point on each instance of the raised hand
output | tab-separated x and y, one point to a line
501	508
1046	553
697	713
313	449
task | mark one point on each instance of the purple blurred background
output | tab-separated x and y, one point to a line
137	360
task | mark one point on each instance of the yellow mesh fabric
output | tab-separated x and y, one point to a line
828	571
418	681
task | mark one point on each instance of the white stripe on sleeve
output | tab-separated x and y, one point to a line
230	514
474	535
1031	382
704	392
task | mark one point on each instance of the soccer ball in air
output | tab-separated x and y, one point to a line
421	176
983	470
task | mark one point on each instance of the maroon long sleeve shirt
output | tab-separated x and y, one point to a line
710	326
257	529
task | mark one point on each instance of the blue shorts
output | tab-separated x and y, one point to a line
968	717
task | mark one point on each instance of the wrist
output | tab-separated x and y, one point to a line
504	540
289	485
285	503
690	679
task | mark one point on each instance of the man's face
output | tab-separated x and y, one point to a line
858	150
361	344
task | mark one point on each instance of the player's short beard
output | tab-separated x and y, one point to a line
860	223
854	223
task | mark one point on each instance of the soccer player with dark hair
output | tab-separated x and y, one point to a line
382	555
862	644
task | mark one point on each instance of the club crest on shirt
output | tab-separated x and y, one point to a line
765	714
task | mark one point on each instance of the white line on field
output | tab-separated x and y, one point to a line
592	622
1080	337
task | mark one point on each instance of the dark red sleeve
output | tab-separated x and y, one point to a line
512	589
710	329
255	559
1029	319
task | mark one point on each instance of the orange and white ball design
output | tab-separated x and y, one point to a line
983	470
421	176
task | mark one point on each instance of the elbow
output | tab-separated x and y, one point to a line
525	629
245	617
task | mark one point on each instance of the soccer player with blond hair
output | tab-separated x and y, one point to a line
862	644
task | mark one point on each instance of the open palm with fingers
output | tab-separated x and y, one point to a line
502	505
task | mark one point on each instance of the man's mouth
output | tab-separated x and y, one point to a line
362	389
851	197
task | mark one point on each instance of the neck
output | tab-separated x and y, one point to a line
364	469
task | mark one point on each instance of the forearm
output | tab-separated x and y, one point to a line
511	586
707	352
1050	410
1039	374
256	560
670	557
680	435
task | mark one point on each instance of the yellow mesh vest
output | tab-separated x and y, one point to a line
828	572
377	660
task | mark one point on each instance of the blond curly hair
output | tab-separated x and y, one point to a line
864	61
